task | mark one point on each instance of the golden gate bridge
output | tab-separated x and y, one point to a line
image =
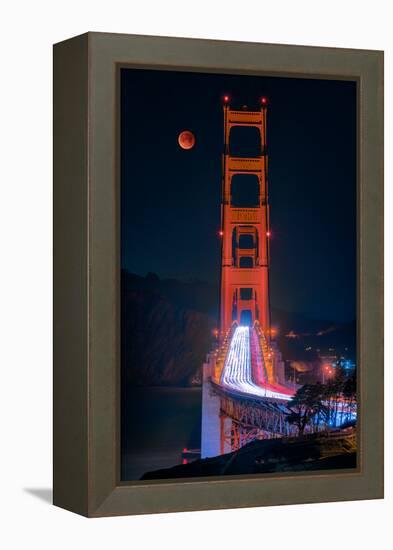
244	388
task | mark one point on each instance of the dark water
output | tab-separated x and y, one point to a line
157	423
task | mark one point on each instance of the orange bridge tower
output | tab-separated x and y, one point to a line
245	221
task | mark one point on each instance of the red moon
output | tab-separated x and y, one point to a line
186	139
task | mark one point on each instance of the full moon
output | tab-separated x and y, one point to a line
186	139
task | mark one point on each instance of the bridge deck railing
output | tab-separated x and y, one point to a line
221	353
267	353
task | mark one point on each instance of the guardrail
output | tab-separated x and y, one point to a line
267	353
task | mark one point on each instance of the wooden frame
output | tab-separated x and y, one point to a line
86	274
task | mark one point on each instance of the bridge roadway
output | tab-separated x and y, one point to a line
237	372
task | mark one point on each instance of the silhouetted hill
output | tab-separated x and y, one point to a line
195	295
303	339
166	329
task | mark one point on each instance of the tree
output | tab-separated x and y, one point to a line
349	393
306	404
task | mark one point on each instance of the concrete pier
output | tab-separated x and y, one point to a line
210	440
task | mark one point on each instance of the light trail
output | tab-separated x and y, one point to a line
237	372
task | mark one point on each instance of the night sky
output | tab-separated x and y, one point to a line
170	197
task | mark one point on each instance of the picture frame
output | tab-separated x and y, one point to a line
86	386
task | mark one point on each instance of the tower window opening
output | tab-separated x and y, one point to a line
245	141
246	318
246	261
245	191
246	241
246	293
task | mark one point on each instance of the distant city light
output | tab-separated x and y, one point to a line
226	98
264	100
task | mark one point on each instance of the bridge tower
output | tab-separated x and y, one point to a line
245	227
